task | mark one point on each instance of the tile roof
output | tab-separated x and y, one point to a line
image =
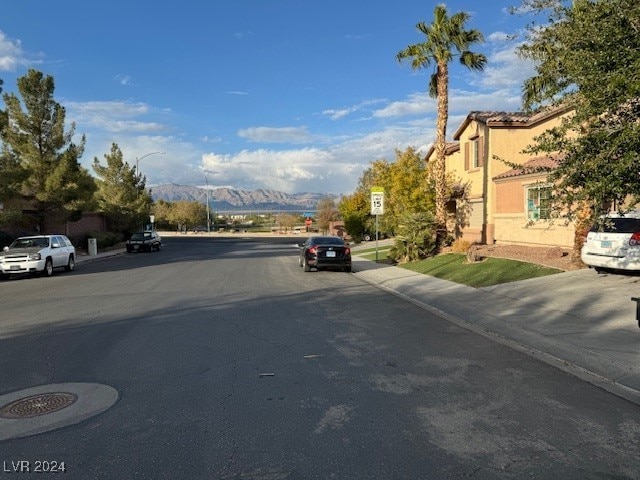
508	119
535	165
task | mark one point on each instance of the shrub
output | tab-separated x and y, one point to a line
416	237
103	239
460	246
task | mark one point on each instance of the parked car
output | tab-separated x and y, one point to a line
325	252
38	254
144	241
615	244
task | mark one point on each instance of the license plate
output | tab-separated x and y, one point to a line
605	244
331	253
136	247
14	267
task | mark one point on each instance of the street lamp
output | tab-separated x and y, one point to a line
138	171
145	156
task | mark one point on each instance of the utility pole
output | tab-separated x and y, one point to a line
208	219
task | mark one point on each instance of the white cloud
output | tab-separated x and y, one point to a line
337	114
12	55
114	117
334	168
505	70
276	134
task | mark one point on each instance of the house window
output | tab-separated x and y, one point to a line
539	202
475	153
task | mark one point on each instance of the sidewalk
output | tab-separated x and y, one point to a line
91	258
580	322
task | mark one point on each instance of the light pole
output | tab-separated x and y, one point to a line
138	171
138	159
208	219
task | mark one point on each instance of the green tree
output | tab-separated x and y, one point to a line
326	213
54	182
408	187
596	73
354	210
188	214
121	195
162	212
446	37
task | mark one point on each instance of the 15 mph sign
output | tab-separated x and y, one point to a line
377	201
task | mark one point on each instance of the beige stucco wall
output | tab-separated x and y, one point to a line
510	222
513	228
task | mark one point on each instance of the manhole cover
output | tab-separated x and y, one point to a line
43	408
37	405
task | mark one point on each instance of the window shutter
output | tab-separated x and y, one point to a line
480	151
466	156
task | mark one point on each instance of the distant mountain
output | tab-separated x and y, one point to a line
229	200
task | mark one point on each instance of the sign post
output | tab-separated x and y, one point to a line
377	209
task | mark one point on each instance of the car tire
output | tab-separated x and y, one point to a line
48	267
305	265
347	269
128	249
71	264
4	276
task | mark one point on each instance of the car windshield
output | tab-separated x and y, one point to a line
618	225
327	241
29	242
140	236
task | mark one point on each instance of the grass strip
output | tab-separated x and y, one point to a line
487	272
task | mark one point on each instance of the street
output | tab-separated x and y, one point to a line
231	362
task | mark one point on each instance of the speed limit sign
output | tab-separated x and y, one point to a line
377	201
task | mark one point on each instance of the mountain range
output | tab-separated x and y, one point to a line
224	199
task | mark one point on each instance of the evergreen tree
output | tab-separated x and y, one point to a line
41	155
121	193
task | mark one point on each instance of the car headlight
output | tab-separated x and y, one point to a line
34	256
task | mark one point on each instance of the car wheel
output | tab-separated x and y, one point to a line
158	247
347	269
305	265
4	276
71	264
48	267
128	249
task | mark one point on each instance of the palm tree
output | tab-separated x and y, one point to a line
446	37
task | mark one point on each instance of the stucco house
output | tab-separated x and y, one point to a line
503	204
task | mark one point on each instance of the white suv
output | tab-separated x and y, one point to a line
41	253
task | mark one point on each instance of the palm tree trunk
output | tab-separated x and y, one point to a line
439	168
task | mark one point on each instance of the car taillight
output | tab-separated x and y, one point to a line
313	250
347	251
634	241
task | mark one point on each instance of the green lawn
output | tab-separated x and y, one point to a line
489	271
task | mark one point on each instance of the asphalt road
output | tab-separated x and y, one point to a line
232	363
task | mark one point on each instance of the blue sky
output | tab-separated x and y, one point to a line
289	95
